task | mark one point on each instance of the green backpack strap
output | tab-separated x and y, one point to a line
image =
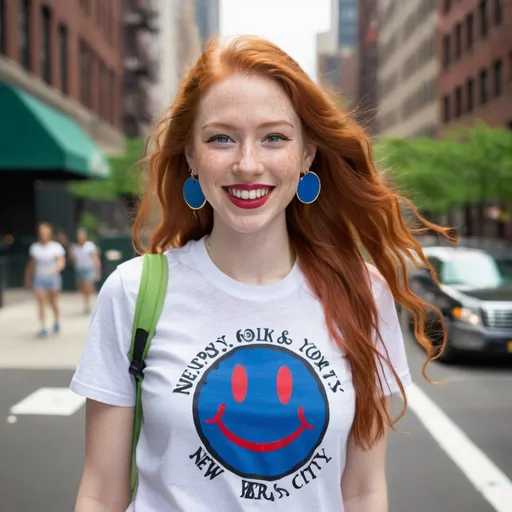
150	301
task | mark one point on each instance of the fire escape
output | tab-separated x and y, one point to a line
140	67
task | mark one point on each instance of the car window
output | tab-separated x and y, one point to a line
478	270
437	264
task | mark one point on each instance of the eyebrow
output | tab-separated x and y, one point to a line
227	126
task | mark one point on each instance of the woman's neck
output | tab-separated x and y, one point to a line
257	258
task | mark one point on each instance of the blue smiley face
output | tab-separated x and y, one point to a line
261	411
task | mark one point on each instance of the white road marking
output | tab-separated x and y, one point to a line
49	402
488	479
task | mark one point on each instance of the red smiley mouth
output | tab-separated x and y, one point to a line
260	447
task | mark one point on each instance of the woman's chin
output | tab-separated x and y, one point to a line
247	224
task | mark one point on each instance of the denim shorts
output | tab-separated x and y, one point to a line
48	283
85	274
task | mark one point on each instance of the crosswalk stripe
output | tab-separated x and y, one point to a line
49	402
487	478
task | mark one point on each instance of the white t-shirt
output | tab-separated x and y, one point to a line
45	257
82	254
248	402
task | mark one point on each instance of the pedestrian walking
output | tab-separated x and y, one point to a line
268	381
43	275
85	259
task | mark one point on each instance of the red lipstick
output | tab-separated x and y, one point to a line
248	196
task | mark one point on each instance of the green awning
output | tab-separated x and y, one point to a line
35	136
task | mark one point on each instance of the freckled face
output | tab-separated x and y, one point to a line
249	151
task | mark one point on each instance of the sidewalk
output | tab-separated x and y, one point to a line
19	347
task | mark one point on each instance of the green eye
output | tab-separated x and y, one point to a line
276	137
223	139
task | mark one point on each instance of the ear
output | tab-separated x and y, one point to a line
308	155
190	156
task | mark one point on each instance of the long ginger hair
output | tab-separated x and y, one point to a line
356	212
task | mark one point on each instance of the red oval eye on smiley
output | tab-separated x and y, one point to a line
284	385
239	383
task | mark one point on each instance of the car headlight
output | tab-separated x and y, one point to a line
468	315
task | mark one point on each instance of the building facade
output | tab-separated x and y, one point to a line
67	53
61	73
408	68
475	55
367	100
337	63
178	44
140	66
208	19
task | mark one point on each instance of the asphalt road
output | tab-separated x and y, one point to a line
41	456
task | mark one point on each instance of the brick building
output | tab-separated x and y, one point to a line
337	63
475	55
408	68
140	66
368	63
61	72
67	53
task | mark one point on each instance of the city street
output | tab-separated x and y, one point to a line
455	438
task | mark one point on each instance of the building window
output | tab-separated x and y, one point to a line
498	11
2	26
446	109
447	5
483	18
483	86
469	94
24	20
113	95
99	13
63	58
85	74
85	6
458	102
497	68
46	51
446	50
458	40
469	30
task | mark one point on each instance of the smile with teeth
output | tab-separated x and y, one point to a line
248	194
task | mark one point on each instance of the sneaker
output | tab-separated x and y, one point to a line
56	328
43	333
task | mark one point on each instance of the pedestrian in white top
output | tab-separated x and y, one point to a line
84	255
43	274
268	383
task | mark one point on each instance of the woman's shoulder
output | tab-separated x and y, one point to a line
379	285
126	277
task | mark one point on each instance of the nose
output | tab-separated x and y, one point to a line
249	162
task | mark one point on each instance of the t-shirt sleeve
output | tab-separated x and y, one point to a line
392	338
90	247
59	250
102	373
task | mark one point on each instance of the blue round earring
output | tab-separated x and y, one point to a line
192	193
309	187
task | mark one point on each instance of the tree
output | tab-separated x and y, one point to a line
123	182
471	165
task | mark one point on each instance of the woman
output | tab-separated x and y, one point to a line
268	381
84	255
43	273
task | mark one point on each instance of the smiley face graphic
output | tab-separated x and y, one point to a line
261	411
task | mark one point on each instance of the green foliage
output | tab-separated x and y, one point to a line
91	223
468	166
124	177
